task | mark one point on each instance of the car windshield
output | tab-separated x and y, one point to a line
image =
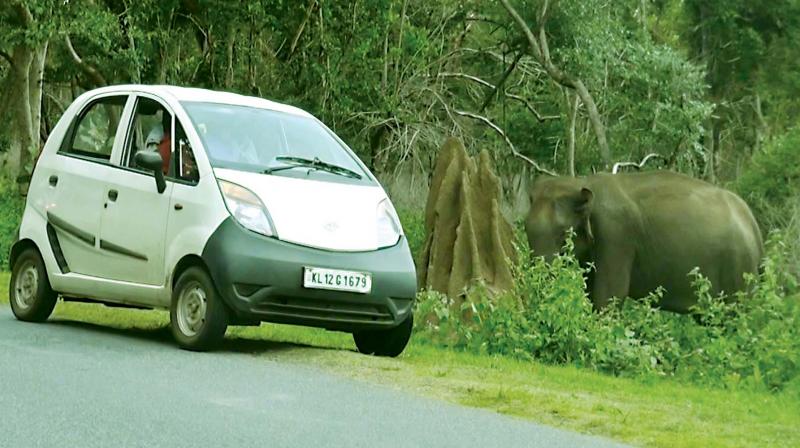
260	140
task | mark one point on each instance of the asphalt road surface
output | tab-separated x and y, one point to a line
68	384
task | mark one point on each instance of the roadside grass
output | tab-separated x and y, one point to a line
647	411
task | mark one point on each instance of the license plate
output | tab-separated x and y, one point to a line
336	280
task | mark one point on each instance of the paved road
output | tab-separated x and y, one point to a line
67	384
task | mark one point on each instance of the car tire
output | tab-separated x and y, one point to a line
29	292
389	342
198	316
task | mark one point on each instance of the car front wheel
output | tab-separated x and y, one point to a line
198	316
389	342
31	297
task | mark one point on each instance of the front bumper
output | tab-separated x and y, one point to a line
261	279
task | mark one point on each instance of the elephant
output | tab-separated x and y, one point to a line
644	230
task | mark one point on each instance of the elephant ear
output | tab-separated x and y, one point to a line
583	207
584	201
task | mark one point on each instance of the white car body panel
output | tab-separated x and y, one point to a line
78	200
78	196
105	290
33	224
137	222
325	215
187	232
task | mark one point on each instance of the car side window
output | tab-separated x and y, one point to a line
96	128
150	131
187	165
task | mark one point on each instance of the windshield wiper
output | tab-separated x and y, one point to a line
300	162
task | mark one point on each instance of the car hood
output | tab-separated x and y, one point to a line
325	215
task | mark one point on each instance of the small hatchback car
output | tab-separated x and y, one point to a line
224	209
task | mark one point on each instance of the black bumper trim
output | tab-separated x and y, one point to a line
236	256
55	246
66	227
300	310
117	249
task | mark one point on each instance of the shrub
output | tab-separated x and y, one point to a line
755	340
413	222
771	181
547	316
770	184
11	206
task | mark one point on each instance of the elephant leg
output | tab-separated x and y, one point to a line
613	276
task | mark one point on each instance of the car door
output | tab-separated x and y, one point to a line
77	181
135	214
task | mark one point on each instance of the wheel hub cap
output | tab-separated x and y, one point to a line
191	309
26	286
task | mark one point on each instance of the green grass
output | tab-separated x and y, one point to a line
643	411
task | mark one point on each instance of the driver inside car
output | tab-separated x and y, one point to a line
160	139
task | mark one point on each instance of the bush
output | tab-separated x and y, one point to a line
771	182
11	206
413	222
754	340
548	317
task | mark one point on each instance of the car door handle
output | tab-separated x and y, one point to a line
112	194
53	180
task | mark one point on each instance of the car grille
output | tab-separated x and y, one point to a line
325	310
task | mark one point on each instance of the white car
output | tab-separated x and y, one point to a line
224	209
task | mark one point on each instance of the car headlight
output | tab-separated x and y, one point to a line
389	229
246	208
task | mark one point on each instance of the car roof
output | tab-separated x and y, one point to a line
192	94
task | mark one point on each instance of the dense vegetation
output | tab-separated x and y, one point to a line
693	81
754	342
711	86
10	213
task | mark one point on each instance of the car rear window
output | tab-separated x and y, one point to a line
96	128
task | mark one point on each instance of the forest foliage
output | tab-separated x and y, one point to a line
693	81
753	342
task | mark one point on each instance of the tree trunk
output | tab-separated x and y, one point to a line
299	33
21	105
6	95
229	50
711	152
762	128
596	120
36	91
573	115
18	112
385	73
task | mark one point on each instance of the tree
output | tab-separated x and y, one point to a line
541	51
24	49
741	44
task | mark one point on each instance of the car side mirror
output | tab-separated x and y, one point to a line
152	161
